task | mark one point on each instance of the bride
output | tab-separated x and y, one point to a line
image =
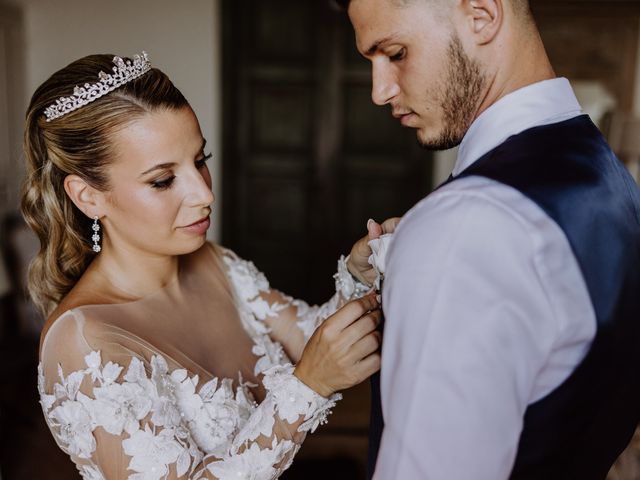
165	356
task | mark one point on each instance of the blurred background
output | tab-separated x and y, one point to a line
301	157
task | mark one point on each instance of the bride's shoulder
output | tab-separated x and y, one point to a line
67	308
71	309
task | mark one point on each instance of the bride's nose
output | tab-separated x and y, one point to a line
199	191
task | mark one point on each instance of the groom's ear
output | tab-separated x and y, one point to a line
483	19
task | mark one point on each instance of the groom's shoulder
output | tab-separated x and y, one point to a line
472	205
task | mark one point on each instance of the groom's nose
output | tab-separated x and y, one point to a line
384	84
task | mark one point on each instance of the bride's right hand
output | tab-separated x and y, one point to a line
343	351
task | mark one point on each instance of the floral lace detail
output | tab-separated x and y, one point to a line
293	399
244	464
249	283
90	472
347	288
165	419
346	284
168	422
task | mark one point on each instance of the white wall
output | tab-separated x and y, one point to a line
182	38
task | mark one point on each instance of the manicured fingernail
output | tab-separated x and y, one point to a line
369	222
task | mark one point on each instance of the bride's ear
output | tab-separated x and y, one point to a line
84	196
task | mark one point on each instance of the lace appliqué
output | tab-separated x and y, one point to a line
168	420
293	399
249	283
347	288
346	284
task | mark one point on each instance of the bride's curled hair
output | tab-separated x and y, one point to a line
78	143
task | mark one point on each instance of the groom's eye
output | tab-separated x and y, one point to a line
398	56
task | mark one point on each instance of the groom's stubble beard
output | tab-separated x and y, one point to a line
460	96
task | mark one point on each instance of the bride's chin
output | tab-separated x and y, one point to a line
182	247
195	245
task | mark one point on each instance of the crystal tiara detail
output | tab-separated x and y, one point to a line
123	72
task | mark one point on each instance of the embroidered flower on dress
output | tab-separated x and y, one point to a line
69	386
214	417
165	410
151	454
46	400
260	423
246	278
271	353
120	407
90	472
74	428
293	399
107	375
253	463
309	318
263	309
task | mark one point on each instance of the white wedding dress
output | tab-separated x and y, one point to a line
193	381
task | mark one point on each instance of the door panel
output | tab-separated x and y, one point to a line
308	157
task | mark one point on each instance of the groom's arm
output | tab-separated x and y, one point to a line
470	329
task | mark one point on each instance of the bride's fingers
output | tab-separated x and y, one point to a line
362	327
366	345
369	365
350	313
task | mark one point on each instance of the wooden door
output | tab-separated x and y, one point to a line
307	157
307	160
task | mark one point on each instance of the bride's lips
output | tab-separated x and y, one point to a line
199	227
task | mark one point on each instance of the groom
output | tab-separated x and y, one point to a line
512	292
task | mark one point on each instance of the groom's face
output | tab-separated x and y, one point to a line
419	66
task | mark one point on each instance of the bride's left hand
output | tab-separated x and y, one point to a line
358	263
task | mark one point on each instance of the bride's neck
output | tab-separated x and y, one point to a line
135	273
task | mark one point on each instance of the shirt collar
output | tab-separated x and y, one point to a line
541	103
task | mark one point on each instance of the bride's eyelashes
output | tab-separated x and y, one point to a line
201	163
165	183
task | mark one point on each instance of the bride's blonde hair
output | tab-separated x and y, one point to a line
78	143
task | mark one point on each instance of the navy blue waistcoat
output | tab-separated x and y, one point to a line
578	430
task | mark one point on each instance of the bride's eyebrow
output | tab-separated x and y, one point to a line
159	166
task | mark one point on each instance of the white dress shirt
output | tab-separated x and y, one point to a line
486	311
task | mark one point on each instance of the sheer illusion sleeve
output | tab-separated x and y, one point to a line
123	413
288	321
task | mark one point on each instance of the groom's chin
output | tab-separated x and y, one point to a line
436	144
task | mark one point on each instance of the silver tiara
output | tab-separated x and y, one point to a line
123	72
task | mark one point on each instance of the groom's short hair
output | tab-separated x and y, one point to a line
521	7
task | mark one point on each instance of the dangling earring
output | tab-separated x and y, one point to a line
95	237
